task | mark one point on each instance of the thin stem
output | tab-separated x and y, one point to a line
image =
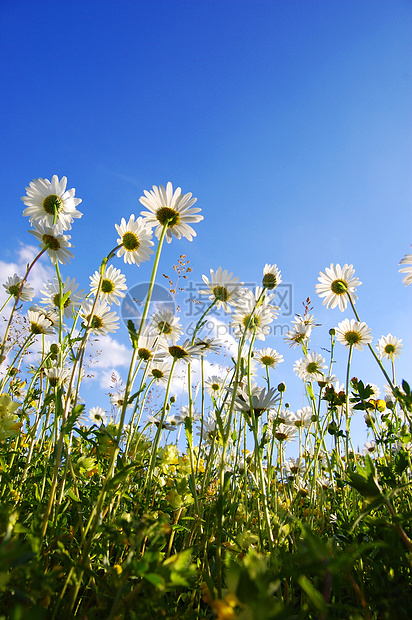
16	301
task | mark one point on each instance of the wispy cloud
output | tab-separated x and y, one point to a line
41	272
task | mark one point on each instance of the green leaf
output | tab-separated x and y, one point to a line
132	334
122	475
365	480
155	580
313	594
73	496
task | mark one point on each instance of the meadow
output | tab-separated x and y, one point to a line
107	514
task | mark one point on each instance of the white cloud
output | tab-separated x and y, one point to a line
215	328
108	378
41	272
178	385
107	355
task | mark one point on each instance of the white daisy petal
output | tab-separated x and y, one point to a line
166	206
336	284
49	203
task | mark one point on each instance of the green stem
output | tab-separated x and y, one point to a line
347	406
16	301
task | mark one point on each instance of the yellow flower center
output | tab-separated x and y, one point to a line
312	367
299	423
164	327
166	214
339	287
269	281
252	322
267	360
221	293
144	354
14	289
107	286
53	204
130	241
97	322
35	328
177	352
51	242
56	301
158	374
353	337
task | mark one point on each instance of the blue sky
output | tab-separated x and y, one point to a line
289	120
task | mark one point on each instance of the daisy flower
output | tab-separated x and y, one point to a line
262	400
135	239
306	319
302	486
147	346
55	244
160	372
185	352
285	416
268	358
271	277
327	380
184	413
167	425
113	285
172	207
285	433
389	346
298	335
324	482
302	418
369	447
97	415
209	431
353	333
407	260
223	289
255	319
375	390
209	344
52	299
13	287
294	467
47	313
117	400
49	203
310	368
165	324
39	324
336	284
103	320
57	376
214	385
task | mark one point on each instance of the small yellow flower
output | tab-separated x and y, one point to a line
118	569
9	422
224	608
